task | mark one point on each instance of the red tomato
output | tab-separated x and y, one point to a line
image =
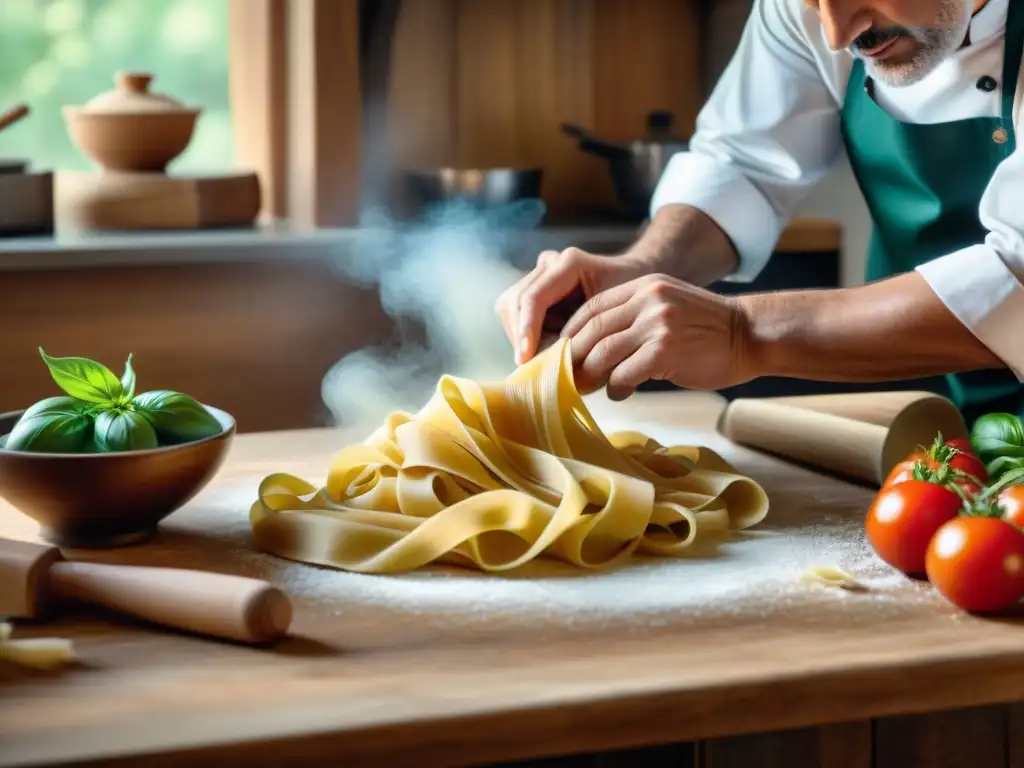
957	452
901	473
903	519
1011	502
962	444
977	563
904	471
971	464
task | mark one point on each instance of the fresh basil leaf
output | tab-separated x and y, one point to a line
53	425
58	404
128	379
123	430
84	379
177	417
998	434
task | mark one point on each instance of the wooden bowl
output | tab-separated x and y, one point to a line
108	499
132	128
131	142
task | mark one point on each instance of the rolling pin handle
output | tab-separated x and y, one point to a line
231	607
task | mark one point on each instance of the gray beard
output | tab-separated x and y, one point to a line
934	45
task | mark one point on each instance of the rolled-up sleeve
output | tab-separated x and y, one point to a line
767	135
724	193
983	285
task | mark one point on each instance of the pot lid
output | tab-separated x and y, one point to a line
132	94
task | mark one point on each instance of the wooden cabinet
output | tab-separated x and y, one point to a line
489	83
477	83
254	338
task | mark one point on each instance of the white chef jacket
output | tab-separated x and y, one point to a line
771	131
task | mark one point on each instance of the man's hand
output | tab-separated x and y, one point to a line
680	241
658	327
891	329
556	288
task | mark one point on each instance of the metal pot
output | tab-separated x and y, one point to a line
482	187
635	166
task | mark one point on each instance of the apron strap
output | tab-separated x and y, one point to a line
1013	65
1018	100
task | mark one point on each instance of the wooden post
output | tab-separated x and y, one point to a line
295	100
256	76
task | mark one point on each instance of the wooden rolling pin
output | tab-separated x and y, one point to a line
34	578
860	436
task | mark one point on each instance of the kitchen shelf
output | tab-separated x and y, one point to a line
280	241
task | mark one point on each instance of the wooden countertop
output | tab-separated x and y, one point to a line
391	666
811	235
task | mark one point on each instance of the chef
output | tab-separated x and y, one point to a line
921	94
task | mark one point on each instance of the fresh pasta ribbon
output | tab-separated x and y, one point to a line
35	653
494	475
830	576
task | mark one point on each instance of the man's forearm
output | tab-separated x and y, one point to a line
893	329
687	244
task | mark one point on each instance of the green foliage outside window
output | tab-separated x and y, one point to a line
57	52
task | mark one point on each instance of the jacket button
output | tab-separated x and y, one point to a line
987	84
1000	136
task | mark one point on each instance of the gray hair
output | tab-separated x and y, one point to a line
934	44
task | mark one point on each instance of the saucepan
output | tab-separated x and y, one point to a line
635	166
420	189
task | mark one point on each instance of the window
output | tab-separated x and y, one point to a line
58	52
278	82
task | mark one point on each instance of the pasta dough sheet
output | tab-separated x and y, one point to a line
493	475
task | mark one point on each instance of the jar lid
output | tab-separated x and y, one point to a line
132	94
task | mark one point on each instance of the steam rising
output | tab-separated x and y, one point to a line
443	273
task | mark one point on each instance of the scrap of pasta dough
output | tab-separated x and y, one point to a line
37	652
493	475
830	576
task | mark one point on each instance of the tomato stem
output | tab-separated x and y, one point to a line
1013	477
982	508
948	477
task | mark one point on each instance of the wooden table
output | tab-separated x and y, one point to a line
755	671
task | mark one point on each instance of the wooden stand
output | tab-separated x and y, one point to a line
157	201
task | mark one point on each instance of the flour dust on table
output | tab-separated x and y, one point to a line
751	576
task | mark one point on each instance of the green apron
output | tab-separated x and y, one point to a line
923	184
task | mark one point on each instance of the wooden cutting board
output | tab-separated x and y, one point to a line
132	201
